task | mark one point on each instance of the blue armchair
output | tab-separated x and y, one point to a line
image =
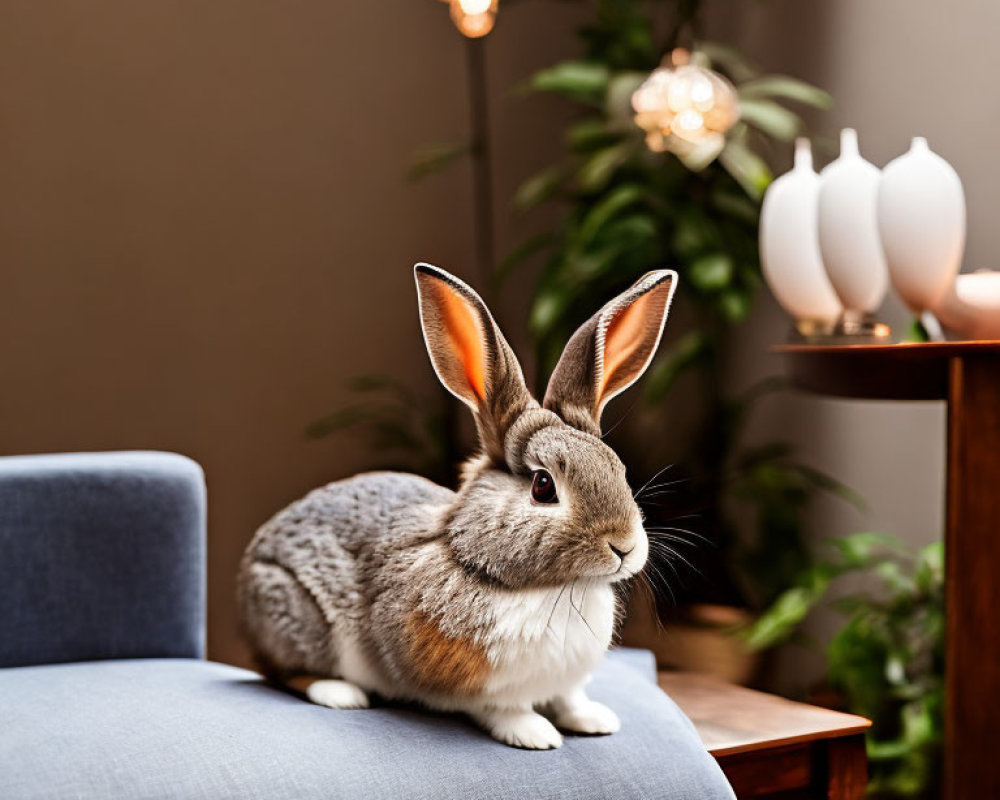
104	693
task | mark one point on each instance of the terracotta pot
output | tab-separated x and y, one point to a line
703	639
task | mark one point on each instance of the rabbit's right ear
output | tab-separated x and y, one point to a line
470	355
610	351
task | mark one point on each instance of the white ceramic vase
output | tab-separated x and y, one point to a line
789	246
969	307
921	220
848	229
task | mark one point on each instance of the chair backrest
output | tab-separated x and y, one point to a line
102	555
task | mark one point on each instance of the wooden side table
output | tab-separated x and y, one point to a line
770	747
967	376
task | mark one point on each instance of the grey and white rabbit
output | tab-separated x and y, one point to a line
495	600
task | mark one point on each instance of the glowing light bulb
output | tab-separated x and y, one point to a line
689	120
474	6
685	108
474	18
702	94
679	94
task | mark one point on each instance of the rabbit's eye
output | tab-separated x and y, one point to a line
543	488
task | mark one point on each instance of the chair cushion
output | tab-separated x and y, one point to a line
102	555
184	728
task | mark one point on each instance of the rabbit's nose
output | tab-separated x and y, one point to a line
620	553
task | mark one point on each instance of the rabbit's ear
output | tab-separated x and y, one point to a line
610	351
470	355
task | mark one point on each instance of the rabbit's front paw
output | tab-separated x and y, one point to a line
521	729
337	694
579	714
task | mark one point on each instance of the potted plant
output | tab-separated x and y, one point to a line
887	661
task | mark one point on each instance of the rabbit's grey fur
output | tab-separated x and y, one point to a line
478	600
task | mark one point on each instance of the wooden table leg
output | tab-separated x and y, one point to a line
847	768
972	566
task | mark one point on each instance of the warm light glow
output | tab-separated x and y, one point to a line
686	109
474	18
689	121
474	6
702	94
679	94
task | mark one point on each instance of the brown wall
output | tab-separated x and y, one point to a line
205	228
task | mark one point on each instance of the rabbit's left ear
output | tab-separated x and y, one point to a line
610	351
470	355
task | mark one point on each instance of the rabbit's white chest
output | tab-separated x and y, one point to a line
547	642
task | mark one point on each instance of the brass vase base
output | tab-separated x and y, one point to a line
853	327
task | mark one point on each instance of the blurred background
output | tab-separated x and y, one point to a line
208	220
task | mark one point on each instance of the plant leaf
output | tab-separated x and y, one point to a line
692	348
826	483
590	134
618	103
522	252
337	421
916	331
747	168
597	170
711	272
617	200
539	187
728	58
576	79
860	549
781	619
593	263
786	88
547	309
736	205
434	158
775	451
772	119
735	305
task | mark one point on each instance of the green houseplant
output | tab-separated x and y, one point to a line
887	660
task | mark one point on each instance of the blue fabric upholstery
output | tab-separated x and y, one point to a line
192	729
101	556
642	661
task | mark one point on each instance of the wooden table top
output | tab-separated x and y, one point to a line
733	719
924	350
904	371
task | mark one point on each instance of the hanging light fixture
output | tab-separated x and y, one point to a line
686	108
474	18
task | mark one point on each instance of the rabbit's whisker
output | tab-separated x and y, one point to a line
693	515
621	419
653	577
653	570
657	475
674	554
667	530
569	618
669	540
663	538
555	605
664	484
666	555
580	613
651	602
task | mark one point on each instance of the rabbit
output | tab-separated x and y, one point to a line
497	599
